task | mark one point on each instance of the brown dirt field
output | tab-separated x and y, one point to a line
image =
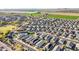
62	13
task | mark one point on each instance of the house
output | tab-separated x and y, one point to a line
39	44
48	38
48	47
77	35
63	41
42	36
66	34
34	41
29	39
55	40
58	48
10	35
24	37
22	34
59	33
71	45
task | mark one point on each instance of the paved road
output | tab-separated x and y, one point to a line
27	45
4	45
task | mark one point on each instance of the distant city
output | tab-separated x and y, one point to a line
44	10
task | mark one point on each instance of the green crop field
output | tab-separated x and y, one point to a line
56	16
62	16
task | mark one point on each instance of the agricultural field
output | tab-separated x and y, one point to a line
62	16
68	16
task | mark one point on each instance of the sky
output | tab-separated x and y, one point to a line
9	4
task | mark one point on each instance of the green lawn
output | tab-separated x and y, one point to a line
55	16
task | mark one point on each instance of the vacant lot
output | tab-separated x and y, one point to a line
6	29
